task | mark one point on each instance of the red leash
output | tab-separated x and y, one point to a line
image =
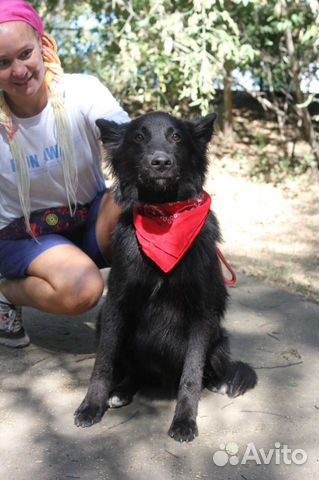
230	282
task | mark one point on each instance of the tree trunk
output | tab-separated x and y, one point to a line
228	103
307	126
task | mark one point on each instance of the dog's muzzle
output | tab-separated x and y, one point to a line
161	162
159	171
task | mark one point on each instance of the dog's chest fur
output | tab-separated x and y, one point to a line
159	307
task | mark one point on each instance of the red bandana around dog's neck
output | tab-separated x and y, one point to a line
165	231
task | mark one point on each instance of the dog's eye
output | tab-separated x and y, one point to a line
139	138
176	137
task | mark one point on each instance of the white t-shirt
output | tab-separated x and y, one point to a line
86	99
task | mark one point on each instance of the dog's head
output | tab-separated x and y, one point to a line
158	157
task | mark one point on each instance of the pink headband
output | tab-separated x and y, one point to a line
20	11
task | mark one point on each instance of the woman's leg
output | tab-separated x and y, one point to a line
61	280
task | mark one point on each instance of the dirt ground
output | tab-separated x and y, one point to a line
42	385
269	231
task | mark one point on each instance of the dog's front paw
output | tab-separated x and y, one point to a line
183	430
88	413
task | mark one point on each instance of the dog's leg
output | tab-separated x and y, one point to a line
184	427
225	376
94	404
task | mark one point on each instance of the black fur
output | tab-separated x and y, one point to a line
157	326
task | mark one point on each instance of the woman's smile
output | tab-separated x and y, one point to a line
22	83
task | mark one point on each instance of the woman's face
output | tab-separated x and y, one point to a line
21	65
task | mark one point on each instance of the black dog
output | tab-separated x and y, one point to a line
166	298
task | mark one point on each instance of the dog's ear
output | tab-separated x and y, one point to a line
203	127
112	133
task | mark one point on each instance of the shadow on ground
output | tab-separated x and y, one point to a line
42	385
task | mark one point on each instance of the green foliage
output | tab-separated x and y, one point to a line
159	54
274	169
172	54
267	31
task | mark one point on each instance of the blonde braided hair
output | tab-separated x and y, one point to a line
53	79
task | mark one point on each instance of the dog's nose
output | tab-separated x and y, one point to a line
161	162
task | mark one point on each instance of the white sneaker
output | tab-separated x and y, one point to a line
12	333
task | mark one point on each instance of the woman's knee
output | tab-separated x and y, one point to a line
72	282
81	293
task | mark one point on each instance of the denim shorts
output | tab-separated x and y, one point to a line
16	255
